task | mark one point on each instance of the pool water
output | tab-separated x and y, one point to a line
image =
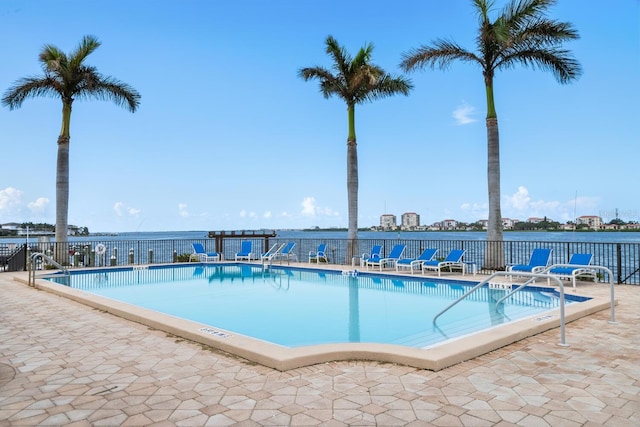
297	307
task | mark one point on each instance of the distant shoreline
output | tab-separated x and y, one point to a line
586	230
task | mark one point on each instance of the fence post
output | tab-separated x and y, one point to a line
619	262
131	256
175	256
150	256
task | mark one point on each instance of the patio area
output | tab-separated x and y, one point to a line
63	363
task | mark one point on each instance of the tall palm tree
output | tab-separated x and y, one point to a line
521	35
356	81
69	78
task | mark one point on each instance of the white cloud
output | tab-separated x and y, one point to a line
267	215
118	208
520	200
522	206
14	208
474	211
39	206
121	209
182	210
10	199
463	114
310	209
309	206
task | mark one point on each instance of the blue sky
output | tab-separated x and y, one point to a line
227	135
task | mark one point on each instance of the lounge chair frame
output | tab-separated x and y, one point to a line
578	266
246	251
416	263
394	256
273	252
452	261
319	254
286	253
203	255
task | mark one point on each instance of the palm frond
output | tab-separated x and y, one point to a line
355	79
68	78
109	89
558	61
340	56
87	46
441	55
30	87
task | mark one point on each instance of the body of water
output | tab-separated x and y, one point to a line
534	236
618	251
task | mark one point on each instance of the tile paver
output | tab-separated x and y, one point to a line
62	363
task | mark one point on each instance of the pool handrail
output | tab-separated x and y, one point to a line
532	276
591	267
48	259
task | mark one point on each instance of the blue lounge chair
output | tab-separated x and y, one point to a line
374	255
416	263
246	251
391	259
453	260
537	263
271	253
287	252
204	256
319	255
578	266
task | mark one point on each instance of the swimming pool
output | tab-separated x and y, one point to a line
298	307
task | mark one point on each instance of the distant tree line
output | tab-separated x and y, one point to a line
42	227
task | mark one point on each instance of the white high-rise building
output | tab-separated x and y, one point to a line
388	222
410	221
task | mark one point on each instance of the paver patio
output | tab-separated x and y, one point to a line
62	363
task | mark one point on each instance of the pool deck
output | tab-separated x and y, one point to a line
63	363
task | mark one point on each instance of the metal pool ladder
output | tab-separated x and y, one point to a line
44	257
532	277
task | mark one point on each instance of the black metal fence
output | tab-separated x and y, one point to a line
623	259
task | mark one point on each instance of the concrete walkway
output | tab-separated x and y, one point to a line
62	363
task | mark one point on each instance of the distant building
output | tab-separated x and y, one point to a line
592	221
410	221
388	222
535	220
14	226
447	224
508	223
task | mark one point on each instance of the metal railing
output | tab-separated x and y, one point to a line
622	259
37	263
532	277
13	258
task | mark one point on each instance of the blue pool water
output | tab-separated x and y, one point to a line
296	307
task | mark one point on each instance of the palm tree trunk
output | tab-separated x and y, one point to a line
62	201
494	252
62	188
352	187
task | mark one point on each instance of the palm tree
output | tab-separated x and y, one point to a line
356	81
69	78
520	35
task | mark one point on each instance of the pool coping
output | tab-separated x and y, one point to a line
283	358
